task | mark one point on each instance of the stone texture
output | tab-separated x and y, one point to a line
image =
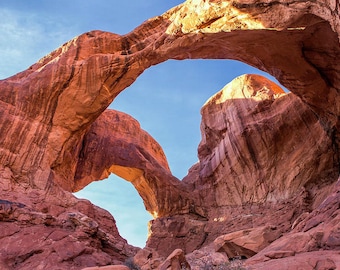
246	243
205	258
317	231
266	159
147	258
175	261
253	171
49	233
247	142
320	260
130	152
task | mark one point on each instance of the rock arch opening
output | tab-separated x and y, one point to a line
47	130
121	199
166	100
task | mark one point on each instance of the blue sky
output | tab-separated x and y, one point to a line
166	99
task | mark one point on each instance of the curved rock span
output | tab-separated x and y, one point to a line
266	159
124	149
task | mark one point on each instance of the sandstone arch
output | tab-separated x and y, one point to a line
126	150
97	66
43	145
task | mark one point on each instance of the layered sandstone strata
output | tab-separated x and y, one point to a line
259	165
265	159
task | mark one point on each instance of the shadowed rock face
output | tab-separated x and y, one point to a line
262	152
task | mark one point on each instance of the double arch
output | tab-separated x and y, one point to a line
76	83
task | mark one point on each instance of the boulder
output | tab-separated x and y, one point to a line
246	243
175	261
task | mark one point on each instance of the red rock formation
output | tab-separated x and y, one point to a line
125	149
248	149
176	260
276	157
253	170
246	243
317	233
97	66
58	231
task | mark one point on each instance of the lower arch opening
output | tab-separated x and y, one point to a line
122	200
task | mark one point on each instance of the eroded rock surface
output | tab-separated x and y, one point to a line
58	231
266	158
254	148
253	171
123	148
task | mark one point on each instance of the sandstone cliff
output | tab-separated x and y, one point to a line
269	161
259	165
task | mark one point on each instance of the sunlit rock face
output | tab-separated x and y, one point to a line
266	158
260	144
